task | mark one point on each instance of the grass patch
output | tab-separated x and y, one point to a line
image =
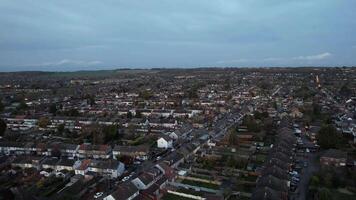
337	195
189	191
201	184
170	196
200	176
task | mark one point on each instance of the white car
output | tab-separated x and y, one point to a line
98	194
137	163
125	178
293	173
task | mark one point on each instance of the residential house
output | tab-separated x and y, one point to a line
83	168
139	152
144	181
165	142
111	167
125	191
27	162
50	162
94	151
67	164
334	157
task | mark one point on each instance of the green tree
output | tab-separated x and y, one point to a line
345	90
72	112
232	136
53	109
328	137
1	106
314	181
251	124
60	128
138	114
132	130
231	162
324	194
146	94
43	122
91	100
22	106
2	127
129	115
110	132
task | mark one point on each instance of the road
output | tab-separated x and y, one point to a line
307	173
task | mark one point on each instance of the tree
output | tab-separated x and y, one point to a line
138	114
251	124
2	127
53	109
324	194
132	129
1	106
146	94
95	134
129	115
328	137
91	100
72	112
43	122
232	136
314	181
231	162
60	128
22	106
345	90
110	132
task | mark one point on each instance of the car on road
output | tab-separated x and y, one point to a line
98	194
305	164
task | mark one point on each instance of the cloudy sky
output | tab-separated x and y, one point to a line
68	35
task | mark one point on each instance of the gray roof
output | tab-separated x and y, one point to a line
335	153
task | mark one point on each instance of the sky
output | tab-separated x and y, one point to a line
70	35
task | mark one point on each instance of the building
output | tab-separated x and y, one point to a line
111	168
125	191
139	152
94	151
334	157
165	142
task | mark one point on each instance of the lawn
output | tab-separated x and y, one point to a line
189	191
170	196
201	184
338	195
199	176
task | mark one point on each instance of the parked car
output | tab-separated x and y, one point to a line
293	173
295	179
125	178
98	194
137	163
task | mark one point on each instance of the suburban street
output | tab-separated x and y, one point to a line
306	173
